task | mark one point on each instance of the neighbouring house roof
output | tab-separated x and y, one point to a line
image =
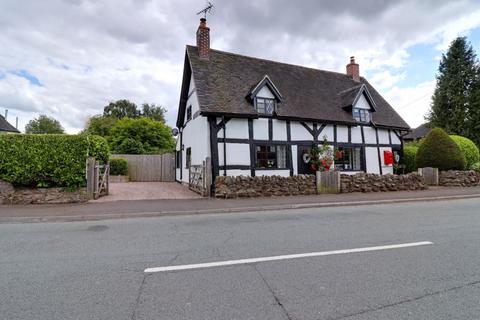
5	126
224	81
418	133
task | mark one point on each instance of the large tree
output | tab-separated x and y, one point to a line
100	125
473	119
154	112
121	109
455	79
44	124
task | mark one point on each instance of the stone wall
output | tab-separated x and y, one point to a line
10	195
264	186
455	178
369	182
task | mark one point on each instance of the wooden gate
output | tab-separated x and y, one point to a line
97	178
200	178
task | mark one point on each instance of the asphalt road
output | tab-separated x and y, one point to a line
95	270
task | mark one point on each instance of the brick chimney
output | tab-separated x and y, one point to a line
353	69
203	39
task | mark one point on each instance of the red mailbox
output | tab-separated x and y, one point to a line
388	157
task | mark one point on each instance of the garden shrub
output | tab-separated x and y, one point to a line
438	150
409	154
55	160
98	148
118	167
469	149
476	167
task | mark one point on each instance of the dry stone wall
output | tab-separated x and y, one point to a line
264	186
10	195
455	178
369	182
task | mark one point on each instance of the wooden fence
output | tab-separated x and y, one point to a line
150	167
328	182
97	178
200	178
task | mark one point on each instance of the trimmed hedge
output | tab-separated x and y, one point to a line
476	167
469	149
118	167
55	160
409	154
438	150
98	148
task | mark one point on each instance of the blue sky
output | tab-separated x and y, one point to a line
70	68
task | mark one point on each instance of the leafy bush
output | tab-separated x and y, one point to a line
140	136
54	160
118	167
409	154
438	150
469	149
98	148
476	167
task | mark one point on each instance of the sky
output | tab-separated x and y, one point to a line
69	58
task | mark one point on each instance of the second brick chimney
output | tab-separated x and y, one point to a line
353	69
203	39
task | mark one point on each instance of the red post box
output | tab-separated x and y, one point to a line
388	157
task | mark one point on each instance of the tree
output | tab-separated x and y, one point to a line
154	112
121	109
44	124
473	121
438	150
141	135
455	80
100	125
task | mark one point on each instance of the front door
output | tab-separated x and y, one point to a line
303	159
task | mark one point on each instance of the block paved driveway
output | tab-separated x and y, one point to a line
147	191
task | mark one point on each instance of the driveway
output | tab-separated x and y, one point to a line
147	191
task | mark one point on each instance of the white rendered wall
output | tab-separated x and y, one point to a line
383	136
385	169
328	132
342	134
295	160
395	139
193	100
237	154
298	132
357	134
371	157
362	103
279	128
236	173
370	136
235	128
265	93
280	172
260	129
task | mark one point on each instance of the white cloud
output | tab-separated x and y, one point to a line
87	52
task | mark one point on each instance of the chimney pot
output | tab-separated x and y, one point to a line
353	69
203	39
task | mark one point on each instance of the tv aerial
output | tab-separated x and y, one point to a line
208	9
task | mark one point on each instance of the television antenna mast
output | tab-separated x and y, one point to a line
207	9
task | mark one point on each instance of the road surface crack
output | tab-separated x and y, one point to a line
474	283
139	293
277	300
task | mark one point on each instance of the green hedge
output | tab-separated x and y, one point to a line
469	149
118	167
476	167
98	148
55	160
438	150
409	154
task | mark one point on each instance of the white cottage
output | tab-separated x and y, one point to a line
259	117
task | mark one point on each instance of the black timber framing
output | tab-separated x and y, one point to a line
315	132
224	146
270	129
252	147
214	129
301	142
378	151
349	134
289	148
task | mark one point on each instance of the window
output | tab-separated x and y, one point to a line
178	159
265	105
189	113
361	115
271	157
188	159
348	159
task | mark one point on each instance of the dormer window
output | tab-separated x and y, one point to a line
361	115
265	106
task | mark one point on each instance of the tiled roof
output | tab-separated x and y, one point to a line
225	79
5	126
